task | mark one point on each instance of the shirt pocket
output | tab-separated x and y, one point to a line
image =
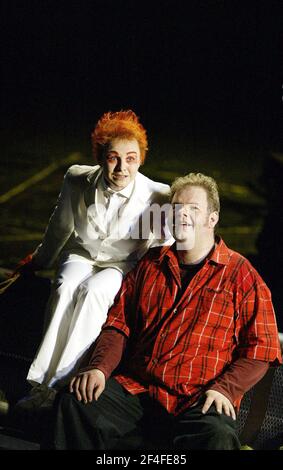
219	314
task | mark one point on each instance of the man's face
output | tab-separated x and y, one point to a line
121	162
191	221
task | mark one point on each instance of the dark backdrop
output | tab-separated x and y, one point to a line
209	67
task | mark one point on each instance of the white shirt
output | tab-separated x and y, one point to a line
111	201
83	224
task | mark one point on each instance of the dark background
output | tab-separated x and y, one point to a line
201	67
205	77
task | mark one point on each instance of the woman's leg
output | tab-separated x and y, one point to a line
94	297
59	313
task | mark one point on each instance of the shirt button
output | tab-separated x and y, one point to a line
175	310
154	361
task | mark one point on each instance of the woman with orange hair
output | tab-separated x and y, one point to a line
94	229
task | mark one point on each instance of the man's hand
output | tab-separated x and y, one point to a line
88	385
222	404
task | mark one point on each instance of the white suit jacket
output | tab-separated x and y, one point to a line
77	225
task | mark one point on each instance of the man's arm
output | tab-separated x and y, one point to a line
256	332
229	388
257	342
89	383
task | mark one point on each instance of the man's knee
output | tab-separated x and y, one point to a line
222	434
96	425
210	432
67	404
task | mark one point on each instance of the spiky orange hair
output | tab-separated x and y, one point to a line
121	124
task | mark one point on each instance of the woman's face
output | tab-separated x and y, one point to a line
121	162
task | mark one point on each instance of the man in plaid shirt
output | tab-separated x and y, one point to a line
191	330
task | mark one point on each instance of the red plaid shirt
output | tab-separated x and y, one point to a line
178	348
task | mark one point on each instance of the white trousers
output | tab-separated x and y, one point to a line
77	308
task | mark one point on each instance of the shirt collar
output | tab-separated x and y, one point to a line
220	255
126	192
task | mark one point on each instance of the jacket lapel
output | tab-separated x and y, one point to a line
91	202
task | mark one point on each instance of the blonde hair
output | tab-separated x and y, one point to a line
203	181
121	124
